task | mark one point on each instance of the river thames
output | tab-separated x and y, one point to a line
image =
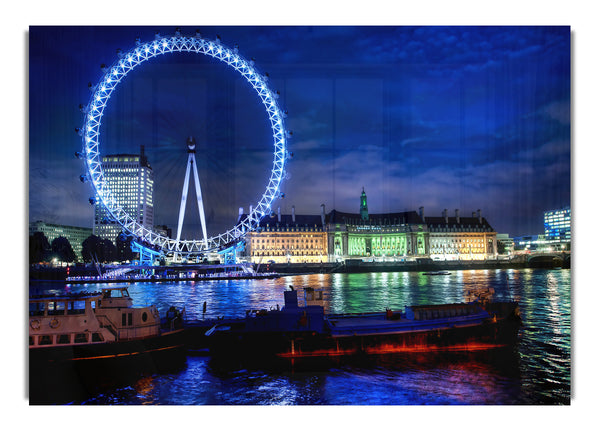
537	372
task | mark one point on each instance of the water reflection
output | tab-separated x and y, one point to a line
538	373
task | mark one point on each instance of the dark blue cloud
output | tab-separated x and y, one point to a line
444	117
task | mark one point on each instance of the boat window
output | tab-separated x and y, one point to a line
63	339
56	308
130	319
36	308
123	319
144	316
81	337
97	337
76	307
30	340
45	340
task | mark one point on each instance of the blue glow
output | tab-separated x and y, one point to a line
91	141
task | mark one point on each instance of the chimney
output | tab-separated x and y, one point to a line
479	216
422	213
293	214
457	216
279	214
323	214
445	215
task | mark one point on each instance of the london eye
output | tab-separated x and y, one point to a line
91	139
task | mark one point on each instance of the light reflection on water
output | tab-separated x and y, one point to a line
538	374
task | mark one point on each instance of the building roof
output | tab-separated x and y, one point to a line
300	220
286	220
398	218
465	222
406	217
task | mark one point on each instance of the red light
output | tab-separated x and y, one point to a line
394	348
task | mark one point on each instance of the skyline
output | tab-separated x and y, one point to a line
440	117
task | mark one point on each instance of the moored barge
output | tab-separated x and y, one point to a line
307	331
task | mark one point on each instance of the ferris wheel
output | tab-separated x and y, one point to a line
90	133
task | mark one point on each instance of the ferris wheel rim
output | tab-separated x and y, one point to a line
113	75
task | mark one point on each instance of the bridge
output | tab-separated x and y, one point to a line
549	259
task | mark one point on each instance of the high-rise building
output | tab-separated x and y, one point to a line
130	179
557	225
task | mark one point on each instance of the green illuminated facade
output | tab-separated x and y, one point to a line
408	235
377	235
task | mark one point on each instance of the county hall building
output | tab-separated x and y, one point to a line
398	236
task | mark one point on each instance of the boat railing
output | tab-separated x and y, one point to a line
105	322
128	333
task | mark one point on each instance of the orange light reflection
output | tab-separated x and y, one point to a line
391	348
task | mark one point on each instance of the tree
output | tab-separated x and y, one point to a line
89	248
95	249
123	245
61	248
108	251
39	248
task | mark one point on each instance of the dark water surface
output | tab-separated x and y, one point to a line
538	372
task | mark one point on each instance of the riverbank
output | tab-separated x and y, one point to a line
194	272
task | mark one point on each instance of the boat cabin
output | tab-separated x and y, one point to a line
116	297
66	320
313	296
87	318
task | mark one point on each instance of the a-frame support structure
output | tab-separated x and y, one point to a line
191	164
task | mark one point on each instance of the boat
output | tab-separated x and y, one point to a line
307	331
436	273
98	325
94	337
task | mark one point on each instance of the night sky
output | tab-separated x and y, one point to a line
440	117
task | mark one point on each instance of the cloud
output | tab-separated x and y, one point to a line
57	196
559	111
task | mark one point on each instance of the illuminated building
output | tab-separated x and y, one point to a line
75	235
367	235
393	236
130	179
288	238
461	238
531	243
506	245
409	235
557	226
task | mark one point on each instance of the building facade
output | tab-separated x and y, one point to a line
131	180
410	235
75	235
506	244
289	238
337	236
557	226
461	238
375	235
